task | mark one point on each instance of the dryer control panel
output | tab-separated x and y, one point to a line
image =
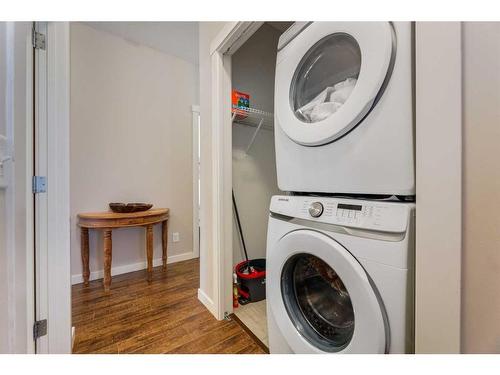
384	216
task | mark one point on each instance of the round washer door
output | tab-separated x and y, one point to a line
321	297
329	78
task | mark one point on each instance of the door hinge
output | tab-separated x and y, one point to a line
38	40
39	184
39	328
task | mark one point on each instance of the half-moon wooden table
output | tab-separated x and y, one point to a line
106	221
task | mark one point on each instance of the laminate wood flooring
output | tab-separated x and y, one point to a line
164	316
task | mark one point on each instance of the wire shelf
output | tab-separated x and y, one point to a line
253	112
252	117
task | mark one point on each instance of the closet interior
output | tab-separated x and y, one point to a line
253	170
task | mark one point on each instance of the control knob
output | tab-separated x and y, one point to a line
315	209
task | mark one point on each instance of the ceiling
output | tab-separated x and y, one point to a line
175	38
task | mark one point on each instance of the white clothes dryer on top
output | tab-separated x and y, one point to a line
344	108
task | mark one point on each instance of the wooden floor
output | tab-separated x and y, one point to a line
162	317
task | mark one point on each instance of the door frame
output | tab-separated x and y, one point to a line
52	214
438	256
195	111
40	168
226	43
429	242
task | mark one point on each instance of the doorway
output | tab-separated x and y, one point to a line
254	179
132	130
135	138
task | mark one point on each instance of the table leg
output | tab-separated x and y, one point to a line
149	250
108	252
84	236
164	242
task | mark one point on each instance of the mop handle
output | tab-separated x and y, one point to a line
240	229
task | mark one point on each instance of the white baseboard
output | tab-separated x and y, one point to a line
99	274
207	301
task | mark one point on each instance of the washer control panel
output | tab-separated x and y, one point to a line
383	216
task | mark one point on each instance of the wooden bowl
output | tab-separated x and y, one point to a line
129	207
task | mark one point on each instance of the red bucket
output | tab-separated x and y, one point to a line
252	283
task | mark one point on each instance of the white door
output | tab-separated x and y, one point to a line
328	78
321	297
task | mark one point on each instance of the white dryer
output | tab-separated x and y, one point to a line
340	276
344	108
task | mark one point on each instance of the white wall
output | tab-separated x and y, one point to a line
253	67
481	199
131	141
254	174
208	31
254	183
178	39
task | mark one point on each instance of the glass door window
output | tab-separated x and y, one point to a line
317	302
325	77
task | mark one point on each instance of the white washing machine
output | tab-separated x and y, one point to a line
339	275
344	108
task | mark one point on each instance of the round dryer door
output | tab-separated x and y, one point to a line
321	297
328	78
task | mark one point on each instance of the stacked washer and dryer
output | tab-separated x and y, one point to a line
340	245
